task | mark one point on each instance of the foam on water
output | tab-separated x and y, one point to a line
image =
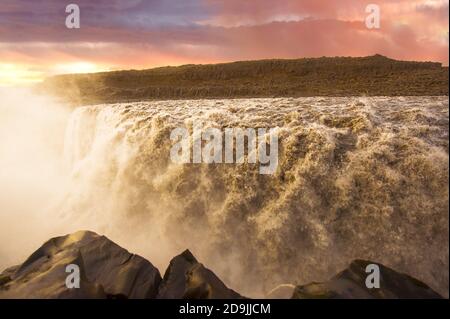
357	178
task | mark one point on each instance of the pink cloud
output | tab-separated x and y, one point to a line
230	30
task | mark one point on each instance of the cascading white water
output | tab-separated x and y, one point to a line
357	178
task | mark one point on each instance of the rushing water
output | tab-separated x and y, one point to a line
356	178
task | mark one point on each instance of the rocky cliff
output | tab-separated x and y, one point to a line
328	76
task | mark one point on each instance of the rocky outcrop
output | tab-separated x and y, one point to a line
351	284
186	278
106	271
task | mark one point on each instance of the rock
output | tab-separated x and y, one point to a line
106	271
109	271
351	284
186	278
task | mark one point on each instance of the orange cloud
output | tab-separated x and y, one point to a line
153	33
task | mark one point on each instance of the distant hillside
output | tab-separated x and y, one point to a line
340	76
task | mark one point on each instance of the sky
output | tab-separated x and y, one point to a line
137	34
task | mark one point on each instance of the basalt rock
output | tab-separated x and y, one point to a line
186	278
351	284
106	271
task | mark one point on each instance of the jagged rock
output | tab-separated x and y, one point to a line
109	271
186	278
351	284
106	270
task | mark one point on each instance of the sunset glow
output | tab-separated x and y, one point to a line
16	74
80	67
34	42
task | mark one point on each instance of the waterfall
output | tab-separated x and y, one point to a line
357	178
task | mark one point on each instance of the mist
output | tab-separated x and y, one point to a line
31	175
356	178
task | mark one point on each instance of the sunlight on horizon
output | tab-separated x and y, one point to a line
78	67
17	75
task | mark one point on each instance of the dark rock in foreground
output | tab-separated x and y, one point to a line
351	284
186	278
109	271
106	271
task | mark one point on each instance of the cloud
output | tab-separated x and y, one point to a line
138	34
438	9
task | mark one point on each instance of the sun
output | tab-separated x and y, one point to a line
23	75
18	75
